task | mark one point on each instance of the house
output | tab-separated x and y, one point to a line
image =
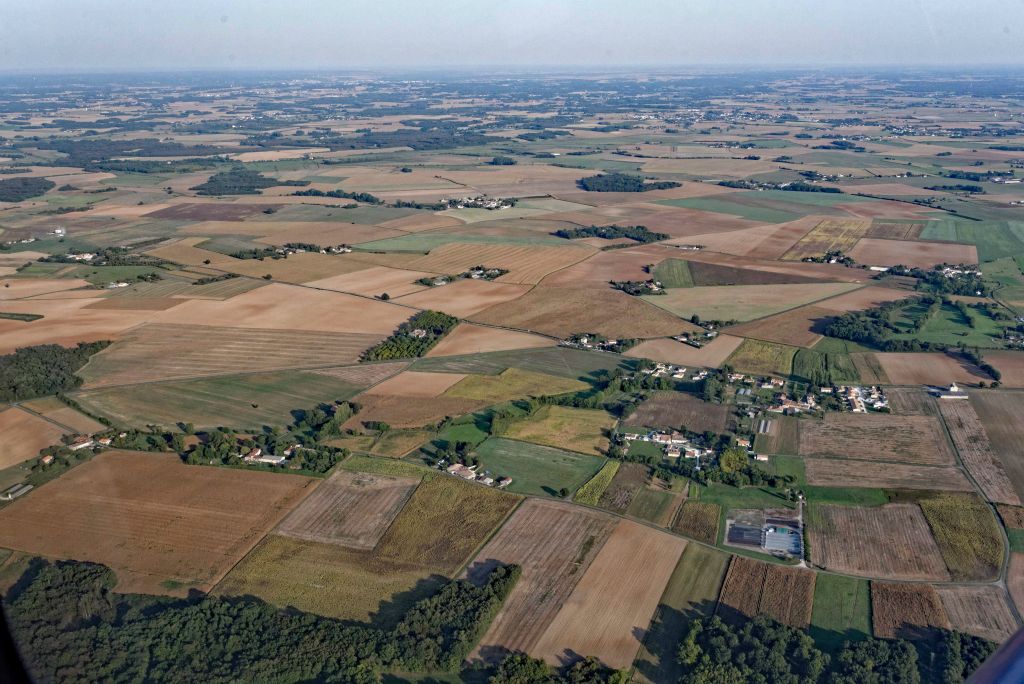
81	442
743	442
504	482
761	457
271	459
46	459
672	452
484	479
104	441
253	454
459	470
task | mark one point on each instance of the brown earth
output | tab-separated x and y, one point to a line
877	437
972	443
911	611
756	588
983	611
24	435
834	472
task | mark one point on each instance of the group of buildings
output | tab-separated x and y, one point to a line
470	473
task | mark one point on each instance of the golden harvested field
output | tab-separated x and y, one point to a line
618	264
1002	416
330	580
608	612
562	312
755	588
801	327
56	410
743	302
972	443
891	541
415	384
675	410
399	411
698	520
184	251
983	611
349	509
512	383
711	355
909	611
573	429
20	288
162	526
128	303
762	358
165	352
24	435
374	281
828	235
467	338
554	543
1010	365
835	472
365	374
919	440
465	297
525	264
876	252
444	522
923	368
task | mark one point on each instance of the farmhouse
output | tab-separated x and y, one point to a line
459	470
81	442
951	392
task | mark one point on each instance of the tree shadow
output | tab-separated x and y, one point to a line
658	661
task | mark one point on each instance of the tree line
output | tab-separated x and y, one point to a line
622	182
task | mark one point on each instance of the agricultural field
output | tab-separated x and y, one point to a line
835	472
164	526
762	358
828	236
967	535
743	302
711	355
842	610
699	521
909	611
922	368
892	541
917	440
657	506
972	444
781	435
563	362
629	479
981	610
591	492
57	411
1003	420
755	588
24	435
535	469
676	410
572	429
512	383
555	544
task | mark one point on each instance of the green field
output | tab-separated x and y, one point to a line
574	429
96	275
651	505
560	361
238	401
384	466
949	326
535	469
763	358
790	465
994	239
425	242
692	592
821	369
512	383
842	611
591	492
674	273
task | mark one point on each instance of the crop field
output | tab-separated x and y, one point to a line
835	472
895	230
608	611
464	297
1015	579
554	543
163	526
842	610
349	509
675	410
403	412
398	443
692	591
911	401
923	368
801	327
24	435
823	368
573	429
674	273
869	368
763	358
972	443
877	252
56	410
711	355
467	338
628	480
563	311
698	520
892	541
444	522
829	235
330	580
563	362
415	384
967	535
782	435
982	611
365	374
908	611
512	383
743	302
209	211
1002	416
657	506
755	588
241	401
143	354
877	437
590	493
1012	516
525	264
374	281
710	274
534	469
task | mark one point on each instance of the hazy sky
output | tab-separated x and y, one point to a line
56	35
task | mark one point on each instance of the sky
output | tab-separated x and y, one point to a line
171	35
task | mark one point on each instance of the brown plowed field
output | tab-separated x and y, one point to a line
350	509
465	297
165	352
618	264
877	252
554	543
891	541
398	411
1002	415
24	435
982	611
525	264
1015	580
801	327
835	472
151	518
756	588
711	355
698	520
564	311
628	480
475	339
673	410
924	368
911	401
972	443
877	437
608	612
1010	365
910	611
374	281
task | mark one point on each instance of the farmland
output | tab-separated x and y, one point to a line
535	469
755	588
966	533
1003	421
982	611
829	235
628	480
591	492
698	520
972	443
906	610
762	358
675	410
24	435
512	383
743	302
164	526
582	430
834	472
877	437
842	610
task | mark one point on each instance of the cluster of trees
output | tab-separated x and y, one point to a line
364	197
873	328
239	181
502	161
637	287
622	182
95	154
43	369
413	338
636	233
109	256
206	280
974	356
764	650
968	282
976	176
70	625
794	186
519	668
20	189
959	187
